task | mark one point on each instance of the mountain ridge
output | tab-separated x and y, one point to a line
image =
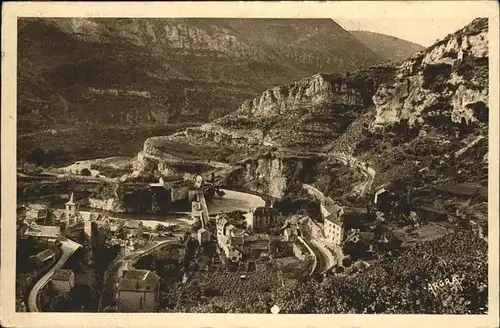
207	58
387	46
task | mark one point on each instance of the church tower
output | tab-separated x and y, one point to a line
71	208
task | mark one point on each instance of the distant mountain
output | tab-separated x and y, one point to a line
386	46
142	72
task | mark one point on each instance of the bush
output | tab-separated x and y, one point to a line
85	172
160	228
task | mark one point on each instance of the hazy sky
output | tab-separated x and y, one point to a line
418	30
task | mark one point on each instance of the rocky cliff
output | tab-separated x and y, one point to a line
305	114
272	175
446	82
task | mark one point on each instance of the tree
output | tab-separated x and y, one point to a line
160	227
37	156
85	172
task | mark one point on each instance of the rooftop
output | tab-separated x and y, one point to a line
45	255
221	221
367	236
43	231
334	218
131	224
35	206
237	240
62	274
223	239
71	200
138	280
333	208
264	211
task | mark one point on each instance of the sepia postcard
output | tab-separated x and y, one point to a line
241	164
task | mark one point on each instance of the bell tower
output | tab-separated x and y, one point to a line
71	208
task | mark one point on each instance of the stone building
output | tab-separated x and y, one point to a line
71	212
43	233
334	227
63	280
222	221
196	210
44	258
138	291
203	236
262	218
232	252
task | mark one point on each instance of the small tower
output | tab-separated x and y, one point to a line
71	208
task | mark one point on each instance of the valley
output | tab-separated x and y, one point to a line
321	195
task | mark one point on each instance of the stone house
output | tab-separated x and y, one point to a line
222	221
232	252
229	230
196	210
138	291
203	236
63	280
134	228
37	213
43	233
365	241
262	218
290	233
334	228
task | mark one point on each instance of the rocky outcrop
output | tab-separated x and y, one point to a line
447	82
317	94
271	175
227	136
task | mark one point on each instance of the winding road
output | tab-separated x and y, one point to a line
326	261
324	258
368	172
68	248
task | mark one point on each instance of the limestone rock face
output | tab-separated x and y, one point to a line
271	175
447	80
310	93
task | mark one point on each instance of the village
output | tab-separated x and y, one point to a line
125	254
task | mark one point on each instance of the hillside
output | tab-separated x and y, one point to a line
386	46
423	121
81	76
156	71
